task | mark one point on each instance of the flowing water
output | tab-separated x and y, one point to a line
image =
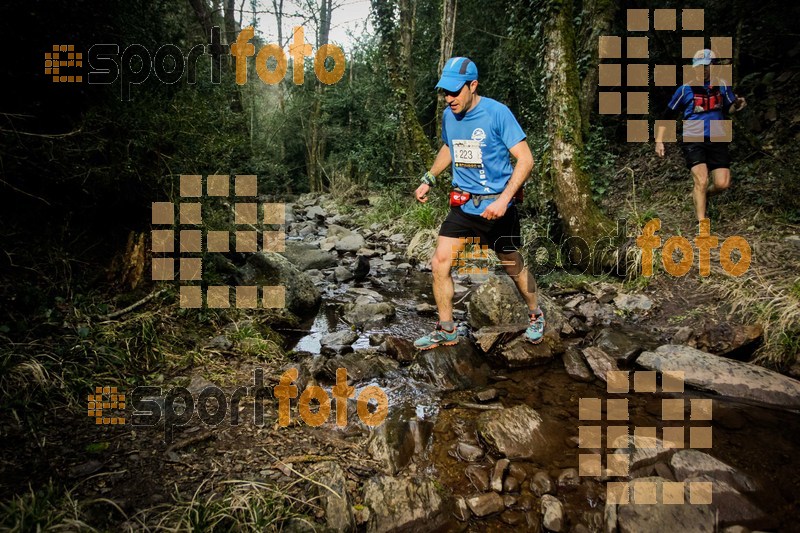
760	442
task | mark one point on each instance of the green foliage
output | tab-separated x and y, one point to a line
599	161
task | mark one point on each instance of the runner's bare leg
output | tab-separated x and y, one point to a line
441	263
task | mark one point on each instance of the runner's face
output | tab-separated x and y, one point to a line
463	100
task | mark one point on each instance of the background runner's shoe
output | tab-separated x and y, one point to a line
438	337
535	330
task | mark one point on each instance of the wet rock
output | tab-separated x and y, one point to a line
486	395
725	376
731	506
498	473
575	366
510	484
469	452
610	518
367	314
579	326
338	342
478	476
398	238
516	432
693	463
599	361
647	452
425	309
727	340
451	367
682	335
489	337
268	268
462	512
402	503
390	257
542	483
308	256
376	339
422	245
635	518
569	478
338	512
664	471
399	439
633	302
401	350
736	529
525	502
367	252
624	343
485	504
497	302
374	296
553	513
350	243
517	472
509	501
361	365
522	353
316	212
342	274
596	313
405	266
512	518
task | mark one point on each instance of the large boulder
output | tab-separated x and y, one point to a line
271	269
451	367
404	504
692	463
725	376
308	256
516	432
624	343
400	438
363	314
333	497
497	303
351	242
660	517
338	342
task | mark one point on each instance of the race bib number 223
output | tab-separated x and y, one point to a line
467	153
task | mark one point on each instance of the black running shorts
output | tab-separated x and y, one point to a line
501	235
713	154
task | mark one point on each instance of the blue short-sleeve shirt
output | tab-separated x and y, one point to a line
697	123
479	143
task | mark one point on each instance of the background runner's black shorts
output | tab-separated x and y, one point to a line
713	154
501	235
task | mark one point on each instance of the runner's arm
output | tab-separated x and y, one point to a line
522	152
442	161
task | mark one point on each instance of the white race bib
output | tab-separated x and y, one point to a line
467	153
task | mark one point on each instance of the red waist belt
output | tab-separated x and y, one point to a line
459	197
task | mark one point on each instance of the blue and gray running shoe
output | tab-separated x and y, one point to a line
438	337
535	330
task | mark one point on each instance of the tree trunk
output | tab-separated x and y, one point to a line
315	147
599	17
413	151
579	214
449	8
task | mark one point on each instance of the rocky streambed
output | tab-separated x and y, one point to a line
495	433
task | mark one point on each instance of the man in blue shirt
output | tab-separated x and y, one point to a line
703	107
479	134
